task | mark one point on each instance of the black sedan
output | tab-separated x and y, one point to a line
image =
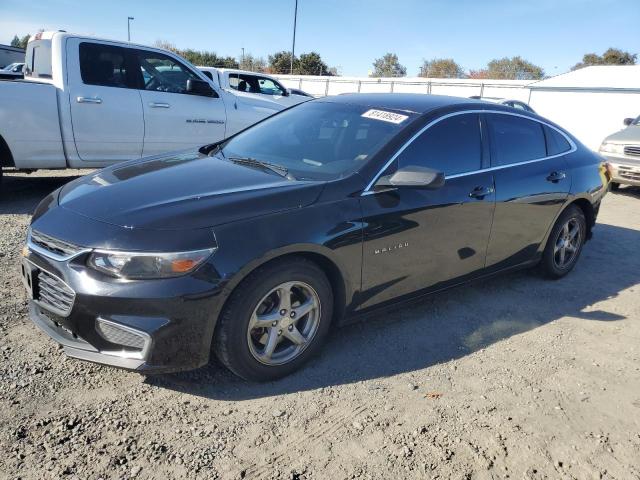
256	247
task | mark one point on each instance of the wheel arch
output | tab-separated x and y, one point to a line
587	208
6	157
315	254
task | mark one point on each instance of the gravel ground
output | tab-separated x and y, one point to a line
516	377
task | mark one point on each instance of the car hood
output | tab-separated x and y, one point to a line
183	191
628	135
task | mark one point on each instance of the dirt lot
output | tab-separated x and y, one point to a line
517	377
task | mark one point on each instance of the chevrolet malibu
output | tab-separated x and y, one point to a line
256	247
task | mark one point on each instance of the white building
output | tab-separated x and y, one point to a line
591	102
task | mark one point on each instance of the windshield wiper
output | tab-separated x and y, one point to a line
253	162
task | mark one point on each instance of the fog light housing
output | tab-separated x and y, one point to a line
135	342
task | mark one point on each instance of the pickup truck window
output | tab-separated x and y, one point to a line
255	84
161	73
105	65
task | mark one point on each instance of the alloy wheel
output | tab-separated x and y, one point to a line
284	323
567	244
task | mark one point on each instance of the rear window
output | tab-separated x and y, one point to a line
104	65
515	139
556	143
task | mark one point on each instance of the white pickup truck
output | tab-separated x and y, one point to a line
250	85
87	103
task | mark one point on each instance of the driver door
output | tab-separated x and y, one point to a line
174	119
416	239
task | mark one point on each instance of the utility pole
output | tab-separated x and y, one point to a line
242	61
129	28
293	47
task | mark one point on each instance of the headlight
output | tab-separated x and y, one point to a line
139	265
611	148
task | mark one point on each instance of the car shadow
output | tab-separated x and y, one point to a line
445	326
628	191
20	194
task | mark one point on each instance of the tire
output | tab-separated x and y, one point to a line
568	233
256	317
615	186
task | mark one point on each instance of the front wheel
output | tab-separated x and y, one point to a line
565	243
615	186
275	320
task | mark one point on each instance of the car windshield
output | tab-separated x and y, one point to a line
319	140
636	121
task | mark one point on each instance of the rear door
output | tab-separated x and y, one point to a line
415	238
173	118
532	182
106	112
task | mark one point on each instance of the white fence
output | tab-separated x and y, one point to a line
589	113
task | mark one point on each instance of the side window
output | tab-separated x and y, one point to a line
243	83
161	73
452	146
515	139
269	87
556	143
104	65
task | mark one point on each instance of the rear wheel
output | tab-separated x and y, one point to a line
565	243
275	320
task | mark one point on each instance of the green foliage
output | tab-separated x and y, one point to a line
199	57
441	68
280	62
311	64
388	66
613	56
307	64
20	42
253	64
515	68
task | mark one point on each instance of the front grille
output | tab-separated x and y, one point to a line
54	293
629	174
120	335
53	245
632	150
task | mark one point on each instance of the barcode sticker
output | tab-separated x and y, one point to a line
385	116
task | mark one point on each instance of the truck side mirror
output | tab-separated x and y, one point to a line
627	121
200	87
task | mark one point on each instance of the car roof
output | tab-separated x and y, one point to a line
409	102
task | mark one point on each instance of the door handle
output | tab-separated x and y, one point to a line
555	177
159	105
481	192
88	100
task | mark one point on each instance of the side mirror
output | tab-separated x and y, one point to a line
628	121
285	92
412	176
200	87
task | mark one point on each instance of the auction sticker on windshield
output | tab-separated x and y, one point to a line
385	116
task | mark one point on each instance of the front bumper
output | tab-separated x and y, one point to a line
173	319
624	169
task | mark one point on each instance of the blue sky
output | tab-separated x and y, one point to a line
350	34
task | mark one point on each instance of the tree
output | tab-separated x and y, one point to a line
253	64
199	57
388	66
280	62
515	68
311	64
481	74
20	42
441	68
613	56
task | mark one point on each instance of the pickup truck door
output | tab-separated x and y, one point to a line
106	110
174	119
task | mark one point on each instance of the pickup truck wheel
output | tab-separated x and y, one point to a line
275	320
615	186
565	243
